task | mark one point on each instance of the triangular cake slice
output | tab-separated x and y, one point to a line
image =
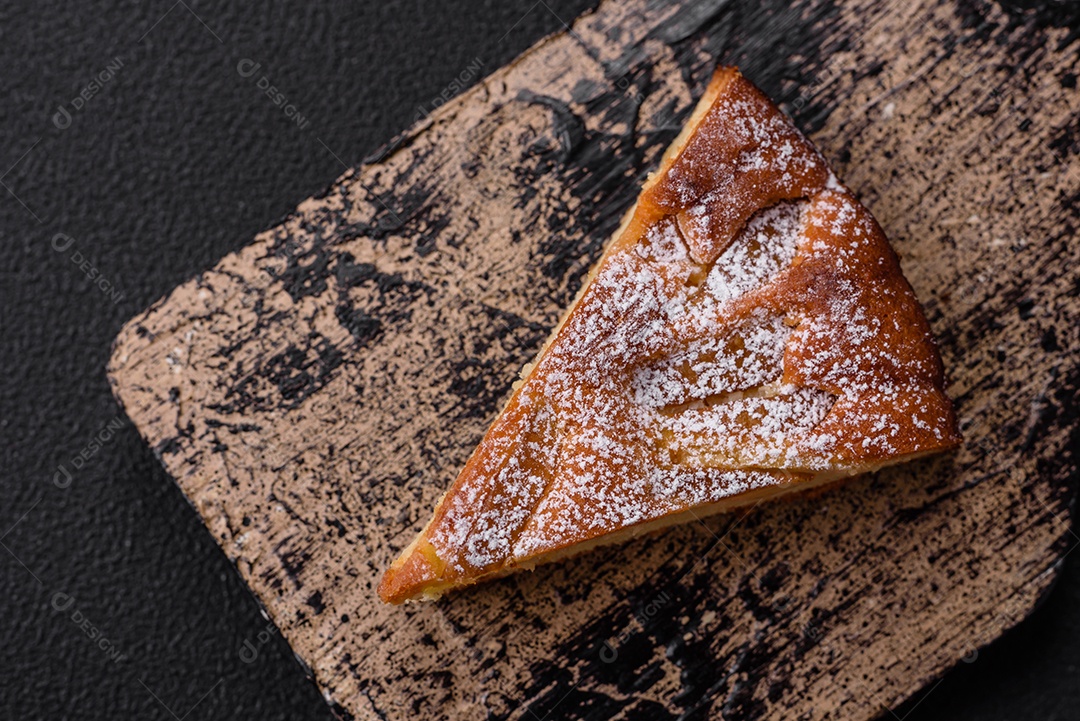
747	333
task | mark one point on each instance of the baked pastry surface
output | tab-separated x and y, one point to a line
747	332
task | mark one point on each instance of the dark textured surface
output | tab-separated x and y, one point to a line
175	162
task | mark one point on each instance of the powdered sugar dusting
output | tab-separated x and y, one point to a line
760	252
686	376
624	458
739	160
755	429
748	355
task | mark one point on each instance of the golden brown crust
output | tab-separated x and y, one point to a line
747	332
710	202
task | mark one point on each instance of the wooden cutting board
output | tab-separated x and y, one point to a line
315	393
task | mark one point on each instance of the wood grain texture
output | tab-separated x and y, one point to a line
316	392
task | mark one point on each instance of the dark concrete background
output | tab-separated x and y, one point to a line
175	161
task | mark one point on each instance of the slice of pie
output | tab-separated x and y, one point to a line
747	333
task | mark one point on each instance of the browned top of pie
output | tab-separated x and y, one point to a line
748	327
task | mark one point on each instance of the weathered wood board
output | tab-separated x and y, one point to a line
315	392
